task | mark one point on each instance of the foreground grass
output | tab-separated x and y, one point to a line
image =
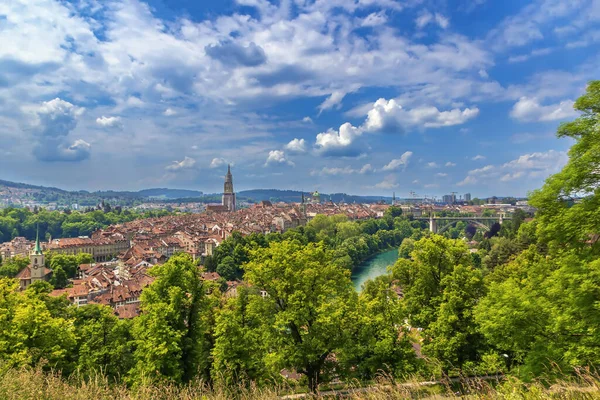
35	384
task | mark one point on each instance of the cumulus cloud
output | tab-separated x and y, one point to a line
441	174
169	112
450	164
184	164
533	165
478	157
529	109
109	122
432	164
235	54
296	146
54	120
277	157
398	163
389	115
307	120
339	143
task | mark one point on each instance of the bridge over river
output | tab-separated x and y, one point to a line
481	222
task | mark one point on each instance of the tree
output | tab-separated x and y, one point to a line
422	278
30	334
453	337
569	202
407	246
540	311
470	231
12	266
102	341
501	251
383	341
306	305
169	334
239	352
393	212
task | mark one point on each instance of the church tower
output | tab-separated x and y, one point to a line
228	194
37	261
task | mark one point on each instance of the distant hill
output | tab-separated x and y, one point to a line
62	197
295	196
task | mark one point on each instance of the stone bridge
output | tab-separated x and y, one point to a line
451	221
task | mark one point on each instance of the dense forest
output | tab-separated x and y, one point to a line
525	305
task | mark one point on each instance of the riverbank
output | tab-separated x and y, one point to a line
373	267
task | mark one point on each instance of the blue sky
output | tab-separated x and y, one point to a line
355	96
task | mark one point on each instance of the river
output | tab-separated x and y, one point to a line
373	267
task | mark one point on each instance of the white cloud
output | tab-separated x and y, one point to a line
334	100
442	21
450	164
307	120
441	174
170	112
296	146
339	143
432	164
217	162
53	121
478	157
277	157
533	165
389	115
426	18
366	169
186	163
108	122
398	163
529	109
374	19
347	170
389	182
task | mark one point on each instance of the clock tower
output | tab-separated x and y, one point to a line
37	261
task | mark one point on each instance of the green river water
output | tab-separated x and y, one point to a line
373	267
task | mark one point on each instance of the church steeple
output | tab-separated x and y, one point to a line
37	250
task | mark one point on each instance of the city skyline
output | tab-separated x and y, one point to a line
361	97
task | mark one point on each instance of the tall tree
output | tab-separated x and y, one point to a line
307	300
569	202
169	334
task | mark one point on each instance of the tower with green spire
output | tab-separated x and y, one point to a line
38	271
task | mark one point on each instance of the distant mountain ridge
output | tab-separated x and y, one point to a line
84	197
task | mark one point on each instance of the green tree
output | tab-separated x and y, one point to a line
103	341
239	352
12	266
569	202
383	342
169	334
453	337
307	302
422	278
